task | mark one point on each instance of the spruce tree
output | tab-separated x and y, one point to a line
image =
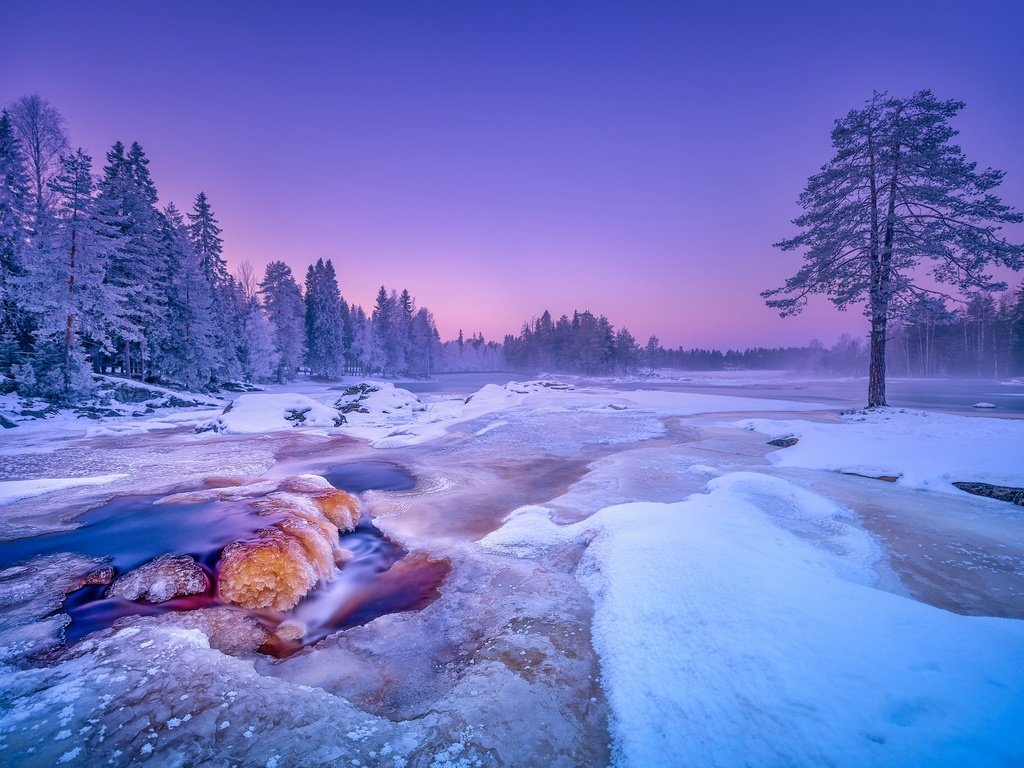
231	308
282	301
14	228
204	234
324	323
189	356
64	283
137	268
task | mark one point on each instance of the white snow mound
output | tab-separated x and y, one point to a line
261	412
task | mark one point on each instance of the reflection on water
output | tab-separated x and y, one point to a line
380	578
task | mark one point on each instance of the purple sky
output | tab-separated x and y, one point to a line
500	158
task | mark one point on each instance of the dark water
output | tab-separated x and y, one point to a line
380	578
359	476
132	530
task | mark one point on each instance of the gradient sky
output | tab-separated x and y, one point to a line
500	158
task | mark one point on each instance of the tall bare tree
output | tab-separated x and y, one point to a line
39	127
897	214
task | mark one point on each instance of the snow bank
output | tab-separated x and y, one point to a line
254	413
924	450
740	628
16	490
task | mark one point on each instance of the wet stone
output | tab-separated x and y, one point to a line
167	577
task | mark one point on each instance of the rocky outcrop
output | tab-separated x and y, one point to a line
999	492
784	442
167	577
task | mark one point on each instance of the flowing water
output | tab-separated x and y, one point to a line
380	578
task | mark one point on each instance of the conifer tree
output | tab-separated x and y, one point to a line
14	227
282	301
189	355
204	234
230	307
64	283
324	324
128	196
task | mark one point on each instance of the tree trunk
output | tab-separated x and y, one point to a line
876	368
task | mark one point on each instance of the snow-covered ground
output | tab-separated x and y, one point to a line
637	578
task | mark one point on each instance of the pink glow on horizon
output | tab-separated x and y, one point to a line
637	160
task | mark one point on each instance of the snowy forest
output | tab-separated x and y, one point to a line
95	278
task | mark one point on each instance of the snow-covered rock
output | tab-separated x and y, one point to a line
229	630
263	412
377	397
162	579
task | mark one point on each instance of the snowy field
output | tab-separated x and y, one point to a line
636	578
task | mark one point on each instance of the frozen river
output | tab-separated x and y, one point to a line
948	395
629	575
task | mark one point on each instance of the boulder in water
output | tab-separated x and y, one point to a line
163	579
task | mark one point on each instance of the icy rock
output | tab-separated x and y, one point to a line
167	577
229	630
272	572
339	507
784	442
31	594
98	578
999	492
291	630
298	549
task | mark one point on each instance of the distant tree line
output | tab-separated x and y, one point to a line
96	278
585	344
982	338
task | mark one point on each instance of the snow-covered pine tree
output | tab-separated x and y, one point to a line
190	354
230	307
128	197
282	301
204	234
324	324
367	346
897	194
14	227
76	311
382	320
425	344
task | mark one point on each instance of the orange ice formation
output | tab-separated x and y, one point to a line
295	552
